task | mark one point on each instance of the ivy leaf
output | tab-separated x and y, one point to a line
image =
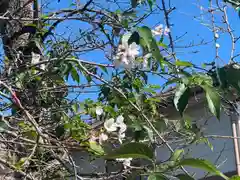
184	177
202	164
213	100
181	98
183	63
132	150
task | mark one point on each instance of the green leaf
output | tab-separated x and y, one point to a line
162	44
183	63
132	150
176	155
134	38
103	68
184	177
150	42
181	98
202	164
96	148
126	37
213	99
156	177
75	107
235	178
150	3
75	75
59	130
149	132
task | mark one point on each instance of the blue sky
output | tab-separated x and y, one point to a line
183	23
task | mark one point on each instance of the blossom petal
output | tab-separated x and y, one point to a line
123	128
120	119
99	110
110	125
102	137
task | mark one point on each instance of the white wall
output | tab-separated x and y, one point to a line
223	152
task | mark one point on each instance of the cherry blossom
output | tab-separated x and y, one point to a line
158	31
102	137
111	126
217	45
99	110
126	54
166	31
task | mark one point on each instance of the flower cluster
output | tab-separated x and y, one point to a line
159	30
112	125
126	54
101	138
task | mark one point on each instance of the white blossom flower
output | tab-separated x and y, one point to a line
35	58
119	119
120	124
121	136
133	50
127	54
217	45
102	137
110	125
158	31
166	31
216	35
99	110
126	161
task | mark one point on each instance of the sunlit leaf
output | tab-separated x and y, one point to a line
183	63
202	164
213	99
132	150
181	97
75	75
235	178
153	48
96	148
176	155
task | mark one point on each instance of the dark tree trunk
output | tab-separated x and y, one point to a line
14	9
14	42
